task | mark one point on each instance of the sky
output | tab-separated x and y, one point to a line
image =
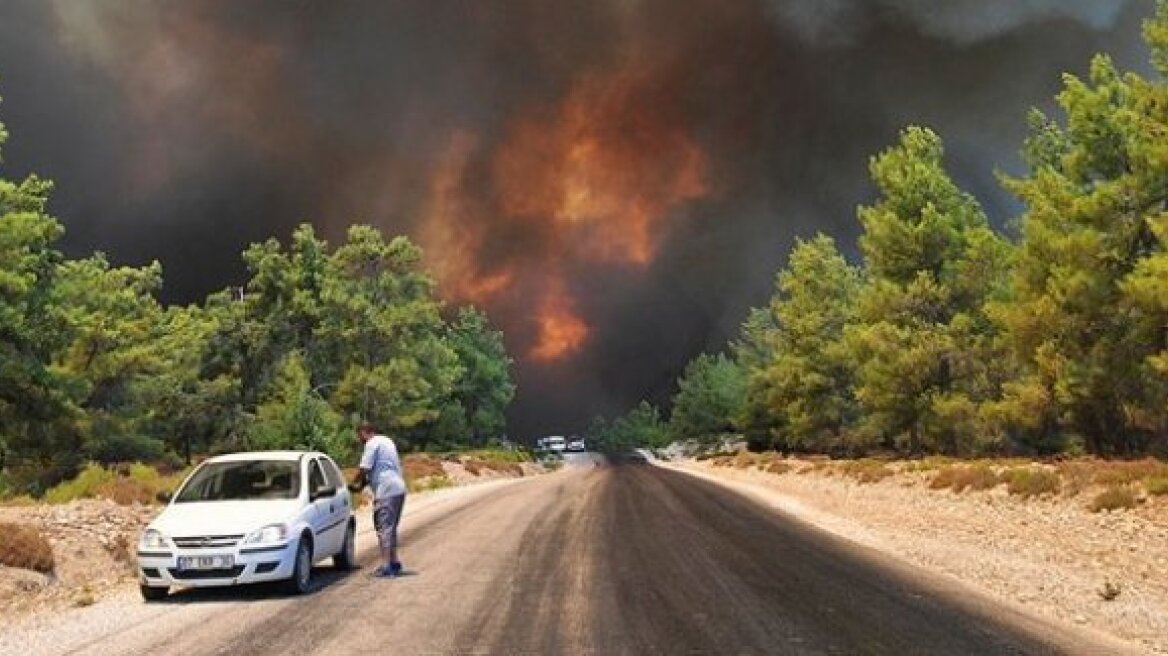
614	181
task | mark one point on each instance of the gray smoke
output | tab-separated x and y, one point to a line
963	22
183	131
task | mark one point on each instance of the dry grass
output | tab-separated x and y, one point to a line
1029	482
866	470
930	463
24	547
19	501
958	478
431	483
1128	472
423	471
421	465
1113	498
779	467
1156	485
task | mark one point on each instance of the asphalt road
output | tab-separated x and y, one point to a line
592	560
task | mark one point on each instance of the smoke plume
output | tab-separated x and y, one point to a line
615	182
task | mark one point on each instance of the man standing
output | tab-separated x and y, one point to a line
381	469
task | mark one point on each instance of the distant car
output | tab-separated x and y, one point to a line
554	443
576	445
247	518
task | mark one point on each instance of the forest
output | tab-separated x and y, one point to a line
93	367
951	337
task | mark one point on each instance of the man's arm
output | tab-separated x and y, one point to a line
361	481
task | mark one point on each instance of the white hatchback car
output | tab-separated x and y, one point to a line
247	518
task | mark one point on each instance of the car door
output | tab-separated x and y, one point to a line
330	511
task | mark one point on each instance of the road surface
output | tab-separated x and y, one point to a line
598	559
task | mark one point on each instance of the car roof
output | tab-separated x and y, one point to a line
262	455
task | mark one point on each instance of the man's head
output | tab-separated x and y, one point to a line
365	431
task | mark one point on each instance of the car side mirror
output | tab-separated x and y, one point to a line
323	492
163	496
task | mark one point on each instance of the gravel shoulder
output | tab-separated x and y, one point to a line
1050	556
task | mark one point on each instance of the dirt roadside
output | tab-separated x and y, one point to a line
1051	555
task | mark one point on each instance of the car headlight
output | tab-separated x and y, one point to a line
152	539
270	534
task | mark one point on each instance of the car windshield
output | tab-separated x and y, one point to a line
243	480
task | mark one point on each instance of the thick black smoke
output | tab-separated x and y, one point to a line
183	131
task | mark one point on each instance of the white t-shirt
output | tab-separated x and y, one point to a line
385	469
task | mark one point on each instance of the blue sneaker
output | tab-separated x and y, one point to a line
395	569
383	572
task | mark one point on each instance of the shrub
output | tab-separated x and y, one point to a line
126	491
125	448
499	455
929	463
944	478
1028	482
1077	475
20	500
84	486
24	547
1113	498
126	484
420	465
976	477
430	483
1156	485
866	470
778	467
1125	473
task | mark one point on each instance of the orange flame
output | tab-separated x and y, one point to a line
606	168
592	179
450	235
561	332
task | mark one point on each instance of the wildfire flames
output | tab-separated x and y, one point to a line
594	178
561	332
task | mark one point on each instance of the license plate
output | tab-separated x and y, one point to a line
206	562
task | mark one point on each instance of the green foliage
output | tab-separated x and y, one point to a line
641	427
949	340
799	388
923	347
484	387
1087	306
708	400
293	416
84	486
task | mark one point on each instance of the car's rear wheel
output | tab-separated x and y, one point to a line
346	558
301	581
153	593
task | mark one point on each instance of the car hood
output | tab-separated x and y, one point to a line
196	518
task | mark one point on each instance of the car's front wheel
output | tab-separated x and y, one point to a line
153	593
346	558
301	581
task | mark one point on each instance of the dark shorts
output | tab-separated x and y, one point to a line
386	516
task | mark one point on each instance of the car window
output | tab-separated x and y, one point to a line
315	476
332	473
242	480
